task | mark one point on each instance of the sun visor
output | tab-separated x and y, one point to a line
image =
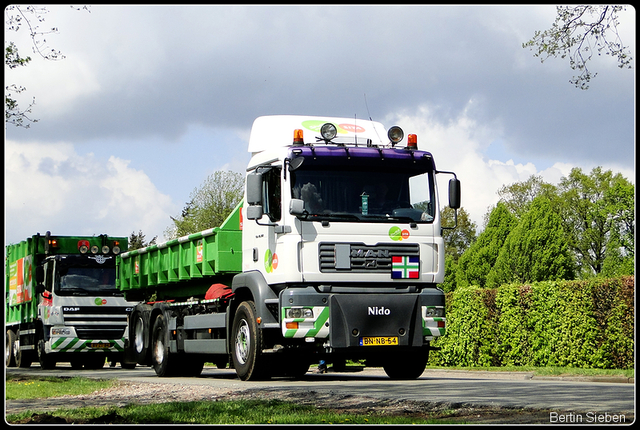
278	131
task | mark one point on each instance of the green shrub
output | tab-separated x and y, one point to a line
587	324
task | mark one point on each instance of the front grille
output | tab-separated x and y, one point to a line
361	258
96	322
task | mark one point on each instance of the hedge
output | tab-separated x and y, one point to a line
587	324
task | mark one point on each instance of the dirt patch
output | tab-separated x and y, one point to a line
128	393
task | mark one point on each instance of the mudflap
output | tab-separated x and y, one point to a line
357	318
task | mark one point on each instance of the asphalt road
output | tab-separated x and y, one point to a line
598	396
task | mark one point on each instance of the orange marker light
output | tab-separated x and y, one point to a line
292	325
412	141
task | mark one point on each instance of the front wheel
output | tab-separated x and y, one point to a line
406	367
47	361
246	353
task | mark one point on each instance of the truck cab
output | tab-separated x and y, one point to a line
342	240
63	302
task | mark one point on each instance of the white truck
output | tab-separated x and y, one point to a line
335	254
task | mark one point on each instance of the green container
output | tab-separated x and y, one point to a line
185	266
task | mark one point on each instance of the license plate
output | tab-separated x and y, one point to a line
378	341
100	345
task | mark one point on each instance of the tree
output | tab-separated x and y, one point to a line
518	196
578	32
599	217
137	241
476	263
456	242
535	250
210	204
17	16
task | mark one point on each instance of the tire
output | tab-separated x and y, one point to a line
191	365
247	344
407	367
138	347
296	369
47	361
10	348
163	362
94	361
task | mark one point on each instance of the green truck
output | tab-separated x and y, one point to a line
334	254
62	302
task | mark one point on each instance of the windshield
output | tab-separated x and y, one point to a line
86	281
365	195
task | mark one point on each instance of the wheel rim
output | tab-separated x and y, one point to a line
243	340
138	332
159	350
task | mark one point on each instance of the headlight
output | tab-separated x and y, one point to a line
434	312
328	131
395	134
299	313
65	331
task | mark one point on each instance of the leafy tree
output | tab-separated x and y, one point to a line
535	250
137	240
476	263
210	204
599	218
518	196
456	242
578	32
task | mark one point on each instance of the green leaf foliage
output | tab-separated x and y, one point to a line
586	324
536	249
477	261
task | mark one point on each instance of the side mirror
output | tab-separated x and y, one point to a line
254	212
254	196
454	193
254	189
296	207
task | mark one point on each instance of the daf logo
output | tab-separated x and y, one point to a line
100	259
70	309
382	311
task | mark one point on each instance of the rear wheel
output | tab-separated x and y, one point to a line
163	362
138	347
247	356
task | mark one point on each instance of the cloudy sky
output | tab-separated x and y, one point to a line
150	100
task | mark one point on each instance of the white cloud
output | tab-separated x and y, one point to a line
459	146
52	187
